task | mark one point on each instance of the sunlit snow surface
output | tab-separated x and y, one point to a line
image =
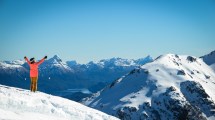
19	104
148	91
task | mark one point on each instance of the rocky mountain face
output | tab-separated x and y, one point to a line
209	59
171	87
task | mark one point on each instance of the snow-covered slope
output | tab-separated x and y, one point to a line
172	87
19	104
210	59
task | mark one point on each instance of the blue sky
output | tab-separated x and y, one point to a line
85	30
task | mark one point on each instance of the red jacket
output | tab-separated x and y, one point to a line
34	67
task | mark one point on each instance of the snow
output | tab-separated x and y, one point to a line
124	62
56	62
145	84
4	65
15	62
213	66
211	118
20	104
168	67
141	95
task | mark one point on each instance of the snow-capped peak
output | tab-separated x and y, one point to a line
56	62
12	64
124	62
20	104
15	62
209	58
72	63
142	61
55	59
116	62
162	89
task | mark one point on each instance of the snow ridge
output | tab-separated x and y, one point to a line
170	87
19	104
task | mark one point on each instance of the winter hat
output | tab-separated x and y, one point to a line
32	59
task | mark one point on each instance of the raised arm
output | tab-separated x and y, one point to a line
41	61
27	60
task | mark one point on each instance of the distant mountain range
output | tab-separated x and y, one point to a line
172	87
55	75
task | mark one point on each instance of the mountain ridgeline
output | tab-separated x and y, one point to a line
56	75
172	87
209	59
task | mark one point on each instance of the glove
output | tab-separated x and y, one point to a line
45	57
25	57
